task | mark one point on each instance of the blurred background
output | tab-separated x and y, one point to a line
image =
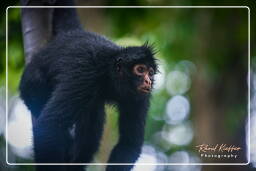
201	91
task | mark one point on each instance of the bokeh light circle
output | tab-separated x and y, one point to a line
180	135
20	130
177	109
177	83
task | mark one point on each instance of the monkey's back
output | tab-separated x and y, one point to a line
74	52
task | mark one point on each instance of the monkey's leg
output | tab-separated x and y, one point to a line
131	130
34	89
50	144
87	135
51	135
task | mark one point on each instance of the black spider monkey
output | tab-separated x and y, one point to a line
68	82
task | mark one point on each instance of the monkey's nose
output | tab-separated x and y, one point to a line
147	82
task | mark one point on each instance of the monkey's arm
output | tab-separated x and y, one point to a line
88	133
131	130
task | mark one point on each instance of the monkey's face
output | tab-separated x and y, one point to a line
144	76
135	78
135	68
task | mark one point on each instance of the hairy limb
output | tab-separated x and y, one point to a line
88	133
34	89
131	130
51	135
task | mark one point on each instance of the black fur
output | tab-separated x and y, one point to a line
68	82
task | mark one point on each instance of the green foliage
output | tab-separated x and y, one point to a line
15	49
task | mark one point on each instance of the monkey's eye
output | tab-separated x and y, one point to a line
139	69
151	72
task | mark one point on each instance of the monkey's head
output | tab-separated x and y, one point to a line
135	68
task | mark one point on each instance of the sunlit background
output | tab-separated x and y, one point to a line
200	95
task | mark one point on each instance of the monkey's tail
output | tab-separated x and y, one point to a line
65	18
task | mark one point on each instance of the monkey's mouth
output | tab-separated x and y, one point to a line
144	89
